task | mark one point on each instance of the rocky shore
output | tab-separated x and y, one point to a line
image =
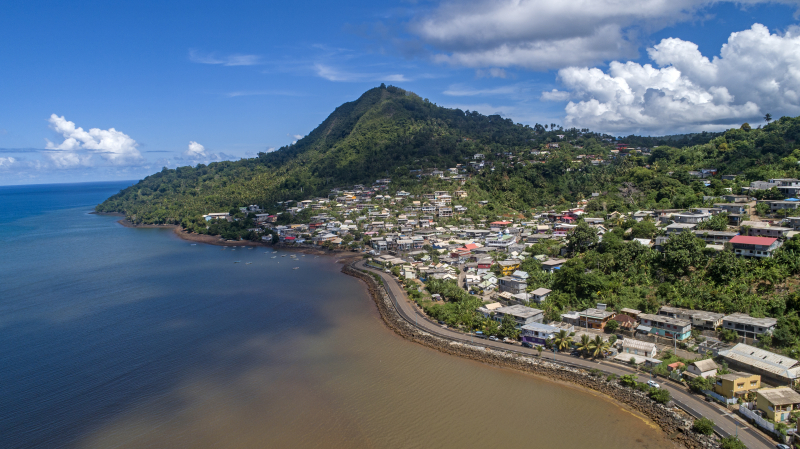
676	425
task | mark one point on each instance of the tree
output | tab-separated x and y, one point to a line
731	442
598	346
562	340
728	335
644	229
703	426
585	344
660	395
582	237
718	222
612	326
768	118
628	380
539	349
700	383
683	251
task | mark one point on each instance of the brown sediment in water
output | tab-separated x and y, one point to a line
675	424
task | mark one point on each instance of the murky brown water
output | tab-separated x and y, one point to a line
356	384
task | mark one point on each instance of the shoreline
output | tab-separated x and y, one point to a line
676	426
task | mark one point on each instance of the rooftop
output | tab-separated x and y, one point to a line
665	319
747	319
780	395
746	240
596	313
541	291
761	359
519	311
705	365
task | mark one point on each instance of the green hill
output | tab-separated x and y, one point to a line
389	132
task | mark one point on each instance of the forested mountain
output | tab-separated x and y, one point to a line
392	133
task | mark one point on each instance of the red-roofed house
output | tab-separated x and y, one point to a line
747	246
471	246
500	224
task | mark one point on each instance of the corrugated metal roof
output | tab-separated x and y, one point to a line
764	241
764	360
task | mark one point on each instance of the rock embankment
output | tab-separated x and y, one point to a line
677	426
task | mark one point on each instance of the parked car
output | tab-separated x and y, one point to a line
493	338
783	446
527	344
441	322
508	340
653	384
479	334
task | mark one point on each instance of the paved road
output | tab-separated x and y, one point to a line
726	422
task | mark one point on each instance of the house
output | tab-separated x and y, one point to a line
767	231
677	228
626	322
508	266
638	347
595	318
522	314
775	206
540	294
747	326
734	208
698	318
666	327
691	217
746	246
715	237
702	368
552	265
777	369
512	285
777	403
489	309
735	385
538	333
633	313
675	366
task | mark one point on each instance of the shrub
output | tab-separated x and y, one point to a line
611	377
660	396
628	380
703	426
731	442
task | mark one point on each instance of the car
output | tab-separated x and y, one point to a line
783	446
441	322
387	271
653	384
527	344
508	340
493	338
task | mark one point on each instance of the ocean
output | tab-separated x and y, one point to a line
122	337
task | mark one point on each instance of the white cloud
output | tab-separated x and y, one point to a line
196	153
555	95
549	34
334	74
755	73
6	162
79	146
195	150
229	60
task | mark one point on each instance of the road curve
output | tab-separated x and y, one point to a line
726	422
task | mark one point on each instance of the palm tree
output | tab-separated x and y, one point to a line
562	340
768	118
585	344
598	346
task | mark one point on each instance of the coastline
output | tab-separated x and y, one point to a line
675	425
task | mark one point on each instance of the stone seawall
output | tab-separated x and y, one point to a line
676	425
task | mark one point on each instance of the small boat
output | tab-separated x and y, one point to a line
274	257
238	261
295	268
194	244
303	255
283	255
248	263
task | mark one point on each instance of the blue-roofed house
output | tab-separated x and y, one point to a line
538	333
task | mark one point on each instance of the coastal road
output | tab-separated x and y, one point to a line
726	422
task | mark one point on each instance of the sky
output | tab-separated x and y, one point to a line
96	90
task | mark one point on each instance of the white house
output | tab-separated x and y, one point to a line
638	347
703	368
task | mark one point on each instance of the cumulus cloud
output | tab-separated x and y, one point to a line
196	153
79	146
756	73
548	34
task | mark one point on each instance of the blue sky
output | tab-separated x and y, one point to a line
117	90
